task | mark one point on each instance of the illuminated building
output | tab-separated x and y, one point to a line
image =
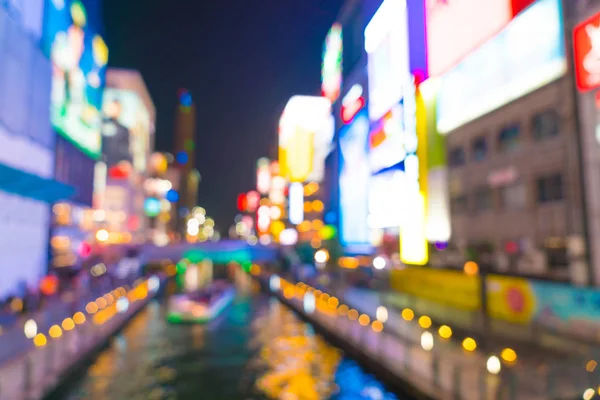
185	156
128	139
28	186
513	165
71	40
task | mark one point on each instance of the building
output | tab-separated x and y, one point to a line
27	142
75	113
512	154
127	142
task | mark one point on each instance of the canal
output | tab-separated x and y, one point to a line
258	349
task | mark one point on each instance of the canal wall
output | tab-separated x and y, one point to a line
68	346
423	366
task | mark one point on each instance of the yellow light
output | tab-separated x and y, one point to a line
348	262
364	320
101	303
315	243
343	310
414	248
589	394
408	314
102	235
318	206
509	355
91	308
79	318
425	322
288	293
307	207
68	324
469	344
377	326
317	224
353	315
16	305
277	227
109	299
589	367
40	340
445	332
255	270
471	268
55	332
333	302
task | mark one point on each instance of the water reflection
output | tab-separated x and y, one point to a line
258	349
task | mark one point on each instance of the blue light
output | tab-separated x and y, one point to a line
152	207
185	99
172	196
182	157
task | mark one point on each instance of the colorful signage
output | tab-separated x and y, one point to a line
512	299
125	129
263	175
331	73
586	47
457	27
79	56
306	129
386	43
352	103
354	184
517	61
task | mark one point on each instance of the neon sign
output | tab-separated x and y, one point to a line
352	103
586	46
332	64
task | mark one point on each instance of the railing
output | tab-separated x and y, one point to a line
436	366
52	356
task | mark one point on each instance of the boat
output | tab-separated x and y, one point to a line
201	306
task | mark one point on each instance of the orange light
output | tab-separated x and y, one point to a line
318	206
471	268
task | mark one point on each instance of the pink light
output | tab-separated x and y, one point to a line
457	27
350	110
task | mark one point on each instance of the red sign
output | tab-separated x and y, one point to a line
586	47
351	109
242	202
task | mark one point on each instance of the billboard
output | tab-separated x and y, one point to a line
306	129
354	183
79	57
586	47
125	129
331	73
386	43
453	31
517	61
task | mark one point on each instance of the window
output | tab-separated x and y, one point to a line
459	204
509	138
483	199
457	157
545	125
514	196
550	188
479	149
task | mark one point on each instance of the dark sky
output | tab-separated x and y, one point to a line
241	60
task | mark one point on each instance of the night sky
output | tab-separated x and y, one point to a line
241	60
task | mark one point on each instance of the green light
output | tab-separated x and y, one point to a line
328	232
189	145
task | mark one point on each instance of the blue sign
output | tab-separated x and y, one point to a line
528	54
355	174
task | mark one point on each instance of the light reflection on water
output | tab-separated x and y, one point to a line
257	349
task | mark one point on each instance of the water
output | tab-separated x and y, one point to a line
256	347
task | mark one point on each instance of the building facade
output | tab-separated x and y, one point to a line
28	187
